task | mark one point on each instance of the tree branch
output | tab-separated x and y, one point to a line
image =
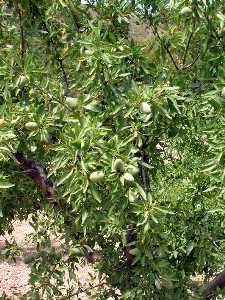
156	33
210	288
191	64
187	47
189	41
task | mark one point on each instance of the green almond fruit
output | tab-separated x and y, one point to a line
133	170
72	102
145	108
223	92
31	125
185	11
129	178
118	165
97	176
132	196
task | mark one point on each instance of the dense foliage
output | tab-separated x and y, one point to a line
131	134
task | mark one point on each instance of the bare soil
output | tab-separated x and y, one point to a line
14	276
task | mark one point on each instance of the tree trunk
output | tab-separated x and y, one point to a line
210	288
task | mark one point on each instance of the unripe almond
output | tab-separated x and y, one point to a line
129	178
133	170
223	92
145	108
2	123
118	165
132	196
72	102
185	11
31	125
97	176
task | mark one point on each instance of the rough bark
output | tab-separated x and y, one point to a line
210	288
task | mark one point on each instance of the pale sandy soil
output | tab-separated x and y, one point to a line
14	276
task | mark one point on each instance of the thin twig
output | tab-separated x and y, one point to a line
187	47
59	59
189	41
156	33
191	64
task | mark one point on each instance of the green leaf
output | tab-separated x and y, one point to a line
96	195
84	217
209	169
164	211
190	248
6	185
154	219
65	177
141	191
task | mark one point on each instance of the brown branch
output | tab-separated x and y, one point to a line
191	64
59	59
156	33
189	41
187	47
196	59
210	288
38	174
143	174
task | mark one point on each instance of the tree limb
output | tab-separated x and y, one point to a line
156	33
187	47
191	64
210	288
38	174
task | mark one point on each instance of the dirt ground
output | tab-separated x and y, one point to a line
14	276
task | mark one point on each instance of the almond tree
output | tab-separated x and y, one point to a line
114	144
